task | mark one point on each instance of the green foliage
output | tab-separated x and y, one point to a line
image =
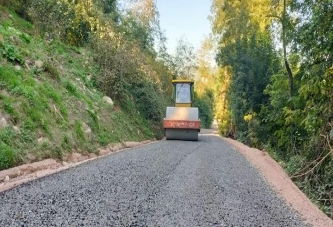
147	94
252	62
27	134
79	133
25	37
66	143
7	156
52	71
7	135
7	105
124	81
71	88
11	53
104	138
6	24
59	19
57	152
205	106
295	165
9	78
184	60
289	111
46	103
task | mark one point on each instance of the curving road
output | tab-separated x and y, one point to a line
167	183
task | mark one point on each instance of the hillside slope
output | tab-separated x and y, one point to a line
49	101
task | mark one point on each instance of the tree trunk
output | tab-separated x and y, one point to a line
284	43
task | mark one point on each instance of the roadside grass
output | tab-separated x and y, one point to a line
53	108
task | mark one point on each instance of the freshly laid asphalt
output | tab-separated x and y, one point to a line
167	183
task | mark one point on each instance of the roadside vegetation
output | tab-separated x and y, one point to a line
275	85
60	62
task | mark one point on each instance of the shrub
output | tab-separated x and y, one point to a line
295	164
79	131
52	71
7	135
11	53
205	105
71	88
7	156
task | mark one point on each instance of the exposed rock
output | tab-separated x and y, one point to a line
86	128
6	179
28	62
39	64
30	157
15	39
108	100
41	165
64	163
15	172
1	39
145	141
3	123
92	155
75	157
103	151
131	144
42	140
16	129
117	146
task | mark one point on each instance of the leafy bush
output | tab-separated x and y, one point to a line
295	164
150	104
11	53
148	100
71	88
25	37
66	142
7	156
205	105
79	131
61	19
7	135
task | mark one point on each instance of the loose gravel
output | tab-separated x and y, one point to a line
167	183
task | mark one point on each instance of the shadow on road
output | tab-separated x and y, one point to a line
208	131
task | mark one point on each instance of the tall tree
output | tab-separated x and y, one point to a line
206	69
245	48
184	60
280	11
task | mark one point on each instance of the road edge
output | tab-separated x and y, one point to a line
274	174
13	177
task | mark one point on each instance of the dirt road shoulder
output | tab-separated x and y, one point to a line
281	183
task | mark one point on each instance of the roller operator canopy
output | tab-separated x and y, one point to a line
183	92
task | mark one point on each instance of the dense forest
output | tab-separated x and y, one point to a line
275	59
271	87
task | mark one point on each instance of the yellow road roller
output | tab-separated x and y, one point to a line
182	120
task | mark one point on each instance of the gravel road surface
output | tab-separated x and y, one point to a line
167	183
